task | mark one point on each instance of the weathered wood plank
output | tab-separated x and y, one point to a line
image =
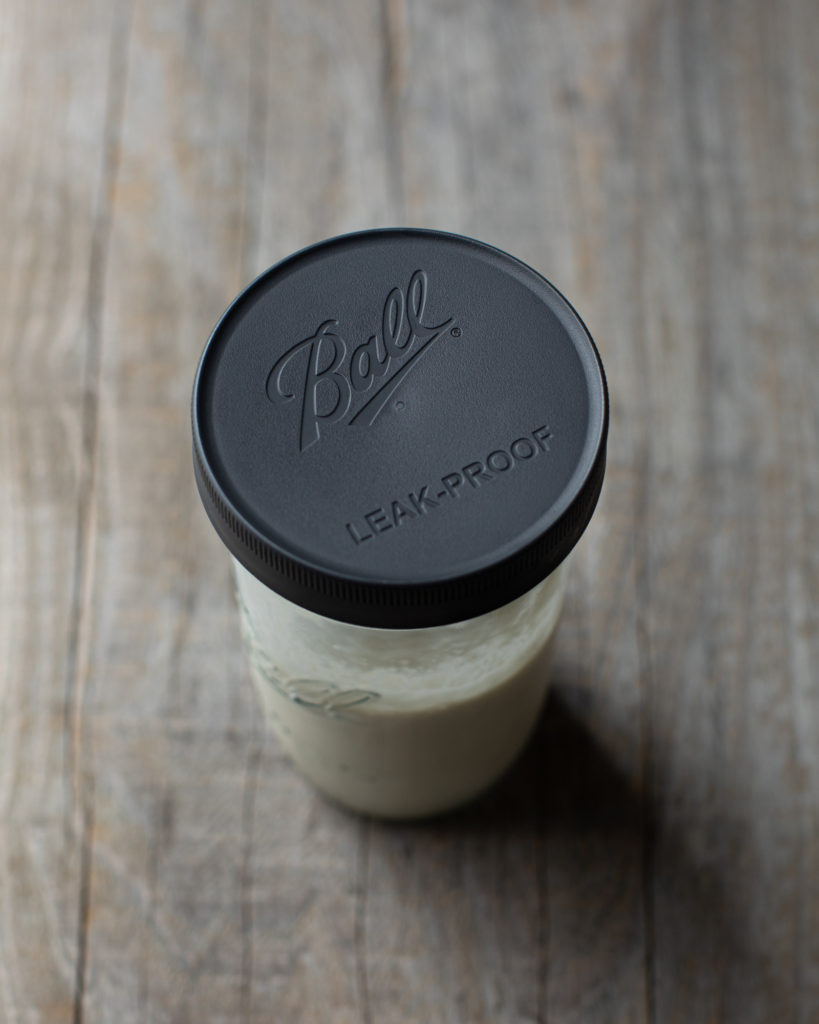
323	125
727	888
665	148
53	171
164	933
222	887
537	892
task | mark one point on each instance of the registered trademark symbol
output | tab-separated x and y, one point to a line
399	405
455	332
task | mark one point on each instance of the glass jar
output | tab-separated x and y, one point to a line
400	723
400	477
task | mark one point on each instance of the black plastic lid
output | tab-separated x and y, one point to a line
400	428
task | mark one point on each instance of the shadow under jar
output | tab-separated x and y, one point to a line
400	436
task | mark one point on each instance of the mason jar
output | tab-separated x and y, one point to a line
400	437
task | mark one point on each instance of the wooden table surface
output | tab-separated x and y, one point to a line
654	856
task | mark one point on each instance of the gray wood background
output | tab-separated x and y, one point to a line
654	857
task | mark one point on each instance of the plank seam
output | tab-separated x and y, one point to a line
84	560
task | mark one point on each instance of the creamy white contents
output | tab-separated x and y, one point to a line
400	723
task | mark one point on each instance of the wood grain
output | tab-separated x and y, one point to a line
654	856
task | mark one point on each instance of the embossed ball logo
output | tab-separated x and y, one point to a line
316	373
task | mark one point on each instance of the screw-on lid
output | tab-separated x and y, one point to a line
400	428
